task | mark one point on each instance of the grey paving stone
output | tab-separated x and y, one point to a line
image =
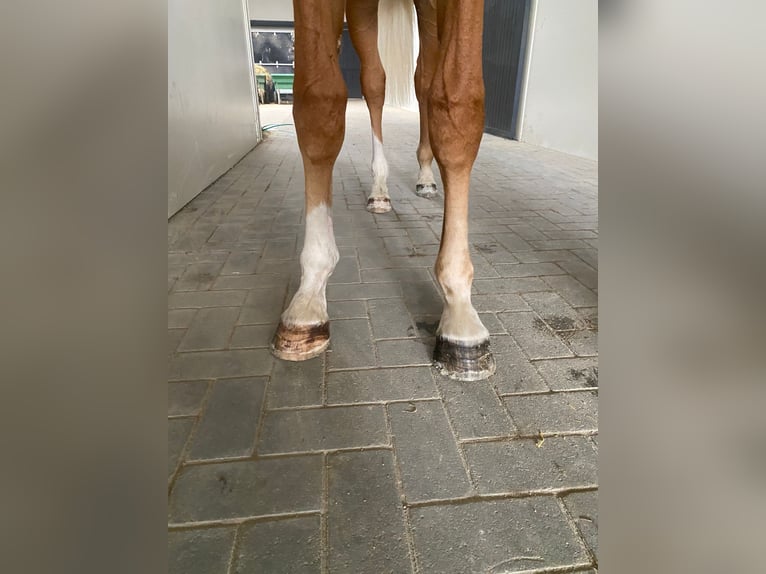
474	408
205	551
582	343
426	451
186	398
261	280
513	242
346	310
217	364
180	318
178	434
323	429
351	345
583	506
534	336
559	244
521	465
563	374
263	306
529	269
227	427
364	520
210	329
363	291
584	273
404	352
497	536
577	294
515	373
247	489
492	323
288	546
390	319
422	297
296	384
174	338
252	336
543	256
559	412
279	249
198	276
494	303
346	271
509	285
555	311
198	299
380	385
395	275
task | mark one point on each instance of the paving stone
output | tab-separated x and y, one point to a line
558	412
215	364
396	275
259	281
380	385
426	451
583	507
180	318
323	429
544	256
404	352
178	434
555	311
422	297
263	306
494	303
363	291
252	336
474	409
390	319
227	427
185	398
198	276
346	310
527	464
584	273
582	343
288	546
205	551
509	285
346	271
351	345
529	270
515	373
210	329
513	242
198	299
577	294
247	489
563	374
364	519
492	323
174	338
534	336
496	536
296	384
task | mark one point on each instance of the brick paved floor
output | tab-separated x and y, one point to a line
364	460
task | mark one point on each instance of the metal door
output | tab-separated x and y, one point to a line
350	66
504	43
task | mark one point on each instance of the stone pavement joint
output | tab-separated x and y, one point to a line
364	459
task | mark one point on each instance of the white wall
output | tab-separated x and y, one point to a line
271	10
559	106
212	110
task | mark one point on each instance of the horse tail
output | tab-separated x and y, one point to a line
396	36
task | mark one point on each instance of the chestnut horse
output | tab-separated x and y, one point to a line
450	91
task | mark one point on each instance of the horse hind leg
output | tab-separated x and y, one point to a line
428	57
363	27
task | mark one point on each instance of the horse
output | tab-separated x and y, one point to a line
450	91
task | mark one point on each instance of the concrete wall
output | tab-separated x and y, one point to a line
559	102
271	10
212	108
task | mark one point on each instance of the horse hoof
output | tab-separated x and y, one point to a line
300	343
378	205
463	362
427	190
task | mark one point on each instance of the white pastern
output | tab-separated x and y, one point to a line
460	323
426	175
379	169
318	260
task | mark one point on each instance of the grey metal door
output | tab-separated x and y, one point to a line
350	66
504	42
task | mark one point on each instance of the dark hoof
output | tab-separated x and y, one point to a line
463	362
300	343
378	205
427	190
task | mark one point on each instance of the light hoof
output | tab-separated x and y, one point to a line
463	362
427	190
300	343
378	205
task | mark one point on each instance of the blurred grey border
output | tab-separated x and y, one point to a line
83	158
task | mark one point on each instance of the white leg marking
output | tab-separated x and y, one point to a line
318	259
460	322
426	175
379	169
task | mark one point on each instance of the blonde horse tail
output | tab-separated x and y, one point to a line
396	36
